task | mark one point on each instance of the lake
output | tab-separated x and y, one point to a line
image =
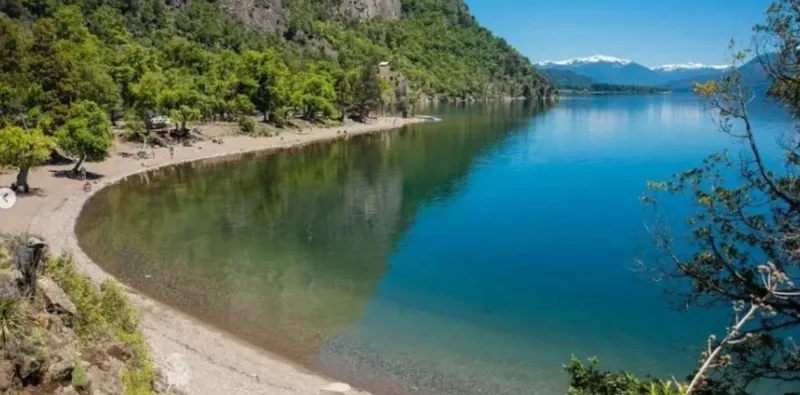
469	256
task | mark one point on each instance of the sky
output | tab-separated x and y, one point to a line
649	32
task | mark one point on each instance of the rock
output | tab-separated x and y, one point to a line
105	382
116	351
60	370
335	389
97	356
61	337
56	299
7	372
160	384
264	16
371	9
8	283
66	391
28	366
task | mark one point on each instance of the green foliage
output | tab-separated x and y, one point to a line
12	319
35	343
367	94
197	63
103	313
80	379
22	149
87	133
271	78
587	379
246	125
314	96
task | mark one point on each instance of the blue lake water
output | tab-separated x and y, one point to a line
471	256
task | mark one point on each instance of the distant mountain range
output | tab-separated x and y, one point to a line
611	70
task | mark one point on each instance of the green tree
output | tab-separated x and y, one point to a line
272	83
23	150
145	93
314	96
87	134
368	93
346	84
183	102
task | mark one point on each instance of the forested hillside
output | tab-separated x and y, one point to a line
69	69
160	55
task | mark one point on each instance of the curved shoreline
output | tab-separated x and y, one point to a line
194	357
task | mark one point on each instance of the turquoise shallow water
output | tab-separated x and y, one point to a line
471	256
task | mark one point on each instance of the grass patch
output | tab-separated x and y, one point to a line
80	380
106	312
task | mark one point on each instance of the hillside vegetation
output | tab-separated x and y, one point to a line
70	69
60	333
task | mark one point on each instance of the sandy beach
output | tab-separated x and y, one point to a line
195	358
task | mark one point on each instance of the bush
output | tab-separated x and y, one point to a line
12	319
246	125
106	312
80	380
589	380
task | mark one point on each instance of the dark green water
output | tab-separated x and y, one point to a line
471	256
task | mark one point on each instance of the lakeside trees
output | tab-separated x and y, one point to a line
70	72
23	150
745	239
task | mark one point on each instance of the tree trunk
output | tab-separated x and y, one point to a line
22	181
77	168
265	117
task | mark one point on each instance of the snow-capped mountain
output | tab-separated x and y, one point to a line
613	70
607	69
689	66
588	59
673	72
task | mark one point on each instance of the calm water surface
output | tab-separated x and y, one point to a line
471	256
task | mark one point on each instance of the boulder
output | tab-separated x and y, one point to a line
118	352
335	389
97	356
60	370
106	382
7	372
57	300
28	368
61	338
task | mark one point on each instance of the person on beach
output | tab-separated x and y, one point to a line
171	152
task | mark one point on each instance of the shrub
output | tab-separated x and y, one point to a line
80	380
12	318
107	312
36	344
246	125
588	379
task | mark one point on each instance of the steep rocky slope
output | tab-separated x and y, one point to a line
371	9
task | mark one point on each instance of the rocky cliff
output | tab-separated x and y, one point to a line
262	15
268	16
370	9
